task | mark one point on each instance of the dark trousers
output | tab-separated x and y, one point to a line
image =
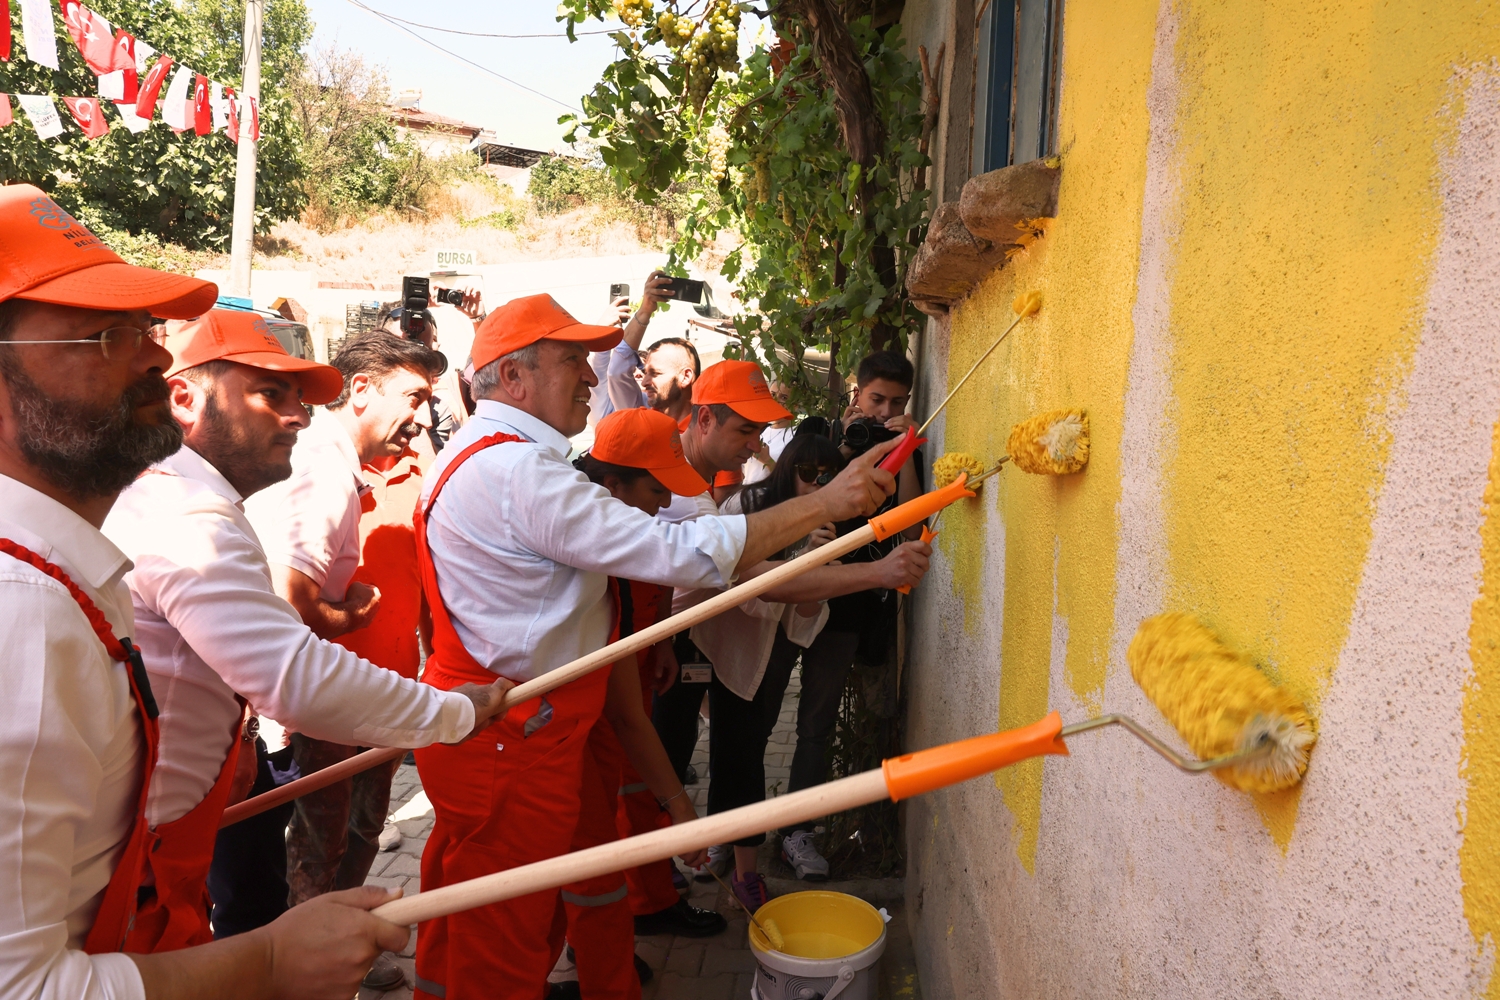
675	714
739	733
825	668
247	880
335	831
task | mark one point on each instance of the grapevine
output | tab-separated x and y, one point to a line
633	13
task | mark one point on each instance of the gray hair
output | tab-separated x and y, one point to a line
487	379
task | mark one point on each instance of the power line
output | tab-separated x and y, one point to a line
491	34
395	23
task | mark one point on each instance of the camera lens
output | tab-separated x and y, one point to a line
857	435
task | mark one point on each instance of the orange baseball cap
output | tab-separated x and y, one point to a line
740	386
642	438
243	337
46	255
522	322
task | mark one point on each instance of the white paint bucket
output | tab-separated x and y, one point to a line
832	942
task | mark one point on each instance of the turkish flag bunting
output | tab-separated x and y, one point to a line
254	120
145	102
5	44
203	112
5	116
93	36
88	112
124	51
233	126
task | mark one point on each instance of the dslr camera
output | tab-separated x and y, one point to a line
865	433
416	295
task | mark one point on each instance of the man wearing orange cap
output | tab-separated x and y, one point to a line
517	550
213	632
83	411
629	786
732	406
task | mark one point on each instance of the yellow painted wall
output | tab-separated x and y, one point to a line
1309	143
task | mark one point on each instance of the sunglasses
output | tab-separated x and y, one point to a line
810	473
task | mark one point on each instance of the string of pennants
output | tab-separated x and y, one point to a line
132	76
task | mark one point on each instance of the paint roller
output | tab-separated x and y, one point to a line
1025	304
879	528
1055	443
1258	737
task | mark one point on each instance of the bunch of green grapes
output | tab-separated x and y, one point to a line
716	145
633	13
675	30
715	48
761	180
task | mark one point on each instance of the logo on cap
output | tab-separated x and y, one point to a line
50	215
757	380
260	327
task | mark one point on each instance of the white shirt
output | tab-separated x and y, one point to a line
523	545
70	755
310	522
738	641
775	439
617	389
210	625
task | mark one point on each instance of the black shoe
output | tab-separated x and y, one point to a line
690	776
642	970
569	990
682	920
410	758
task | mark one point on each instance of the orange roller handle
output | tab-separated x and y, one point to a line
903	517
927	770
897	456
927	536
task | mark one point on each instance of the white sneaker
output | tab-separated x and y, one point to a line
390	836
804	858
720	863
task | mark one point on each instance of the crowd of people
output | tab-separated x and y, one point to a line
229	567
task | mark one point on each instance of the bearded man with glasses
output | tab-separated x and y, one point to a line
84	409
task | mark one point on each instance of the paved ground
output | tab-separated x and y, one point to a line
717	968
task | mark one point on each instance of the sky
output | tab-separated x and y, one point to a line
561	70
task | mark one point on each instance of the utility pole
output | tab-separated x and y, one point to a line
242	238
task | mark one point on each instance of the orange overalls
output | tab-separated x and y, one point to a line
506	798
117	914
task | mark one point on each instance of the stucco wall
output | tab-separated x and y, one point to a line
1274	282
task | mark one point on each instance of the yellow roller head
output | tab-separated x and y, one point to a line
1027	304
1220	702
946	469
1055	443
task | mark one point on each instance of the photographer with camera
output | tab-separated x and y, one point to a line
410	318
618	370
860	626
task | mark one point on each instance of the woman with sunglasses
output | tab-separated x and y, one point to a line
753	648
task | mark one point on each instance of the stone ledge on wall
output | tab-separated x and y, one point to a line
967	239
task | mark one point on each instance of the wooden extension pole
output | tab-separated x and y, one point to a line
721	828
898	778
568	672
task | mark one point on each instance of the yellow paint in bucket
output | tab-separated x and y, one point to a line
820	925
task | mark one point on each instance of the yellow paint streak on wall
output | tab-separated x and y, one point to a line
1074	353
1478	856
1308	138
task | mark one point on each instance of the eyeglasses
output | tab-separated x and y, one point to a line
119	343
810	473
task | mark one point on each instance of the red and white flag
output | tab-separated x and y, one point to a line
5	40
145	102
88	112
254	120
5	115
203	110
134	122
121	85
93	36
232	126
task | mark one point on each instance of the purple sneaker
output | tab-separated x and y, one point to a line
751	891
